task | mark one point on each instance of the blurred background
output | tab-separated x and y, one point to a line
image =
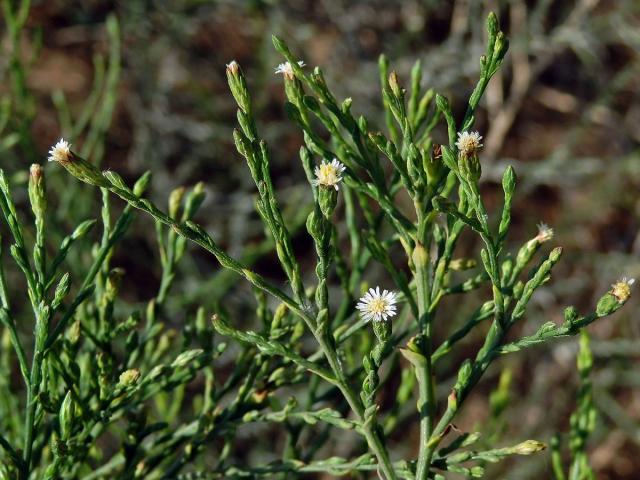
148	92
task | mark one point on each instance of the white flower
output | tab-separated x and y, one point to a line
287	70
377	306
60	152
469	143
545	233
622	289
329	174
232	67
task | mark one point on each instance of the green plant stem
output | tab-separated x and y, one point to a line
424	372
368	428
8	322
480	365
194	233
33	388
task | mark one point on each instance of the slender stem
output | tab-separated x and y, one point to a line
482	362
424	372
7	321
197	235
33	387
372	436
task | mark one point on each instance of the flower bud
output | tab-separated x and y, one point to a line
114	279
175	200
233	68
238	86
394	85
66	416
461	264
156	372
420	256
129	377
73	333
413	351
186	357
279	315
529	447
37	191
314	224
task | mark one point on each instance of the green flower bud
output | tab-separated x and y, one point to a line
413	351
186	357
114	280
73	333
394	85
420	256
37	191
314	225
129	377
529	447
461	264
175	200
67	416
141	184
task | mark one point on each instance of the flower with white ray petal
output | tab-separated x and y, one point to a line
287	70
469	143
329	174
377	306
60	152
545	233
622	289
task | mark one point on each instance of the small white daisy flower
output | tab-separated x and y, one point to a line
469	143
377	306
622	289
545	233
60	152
287	70
232	67
329	174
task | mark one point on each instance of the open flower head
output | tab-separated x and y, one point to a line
545	233
622	289
61	152
287	70
469	143
329	174
377	306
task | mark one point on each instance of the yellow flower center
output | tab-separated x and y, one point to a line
328	174
378	306
622	291
469	145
